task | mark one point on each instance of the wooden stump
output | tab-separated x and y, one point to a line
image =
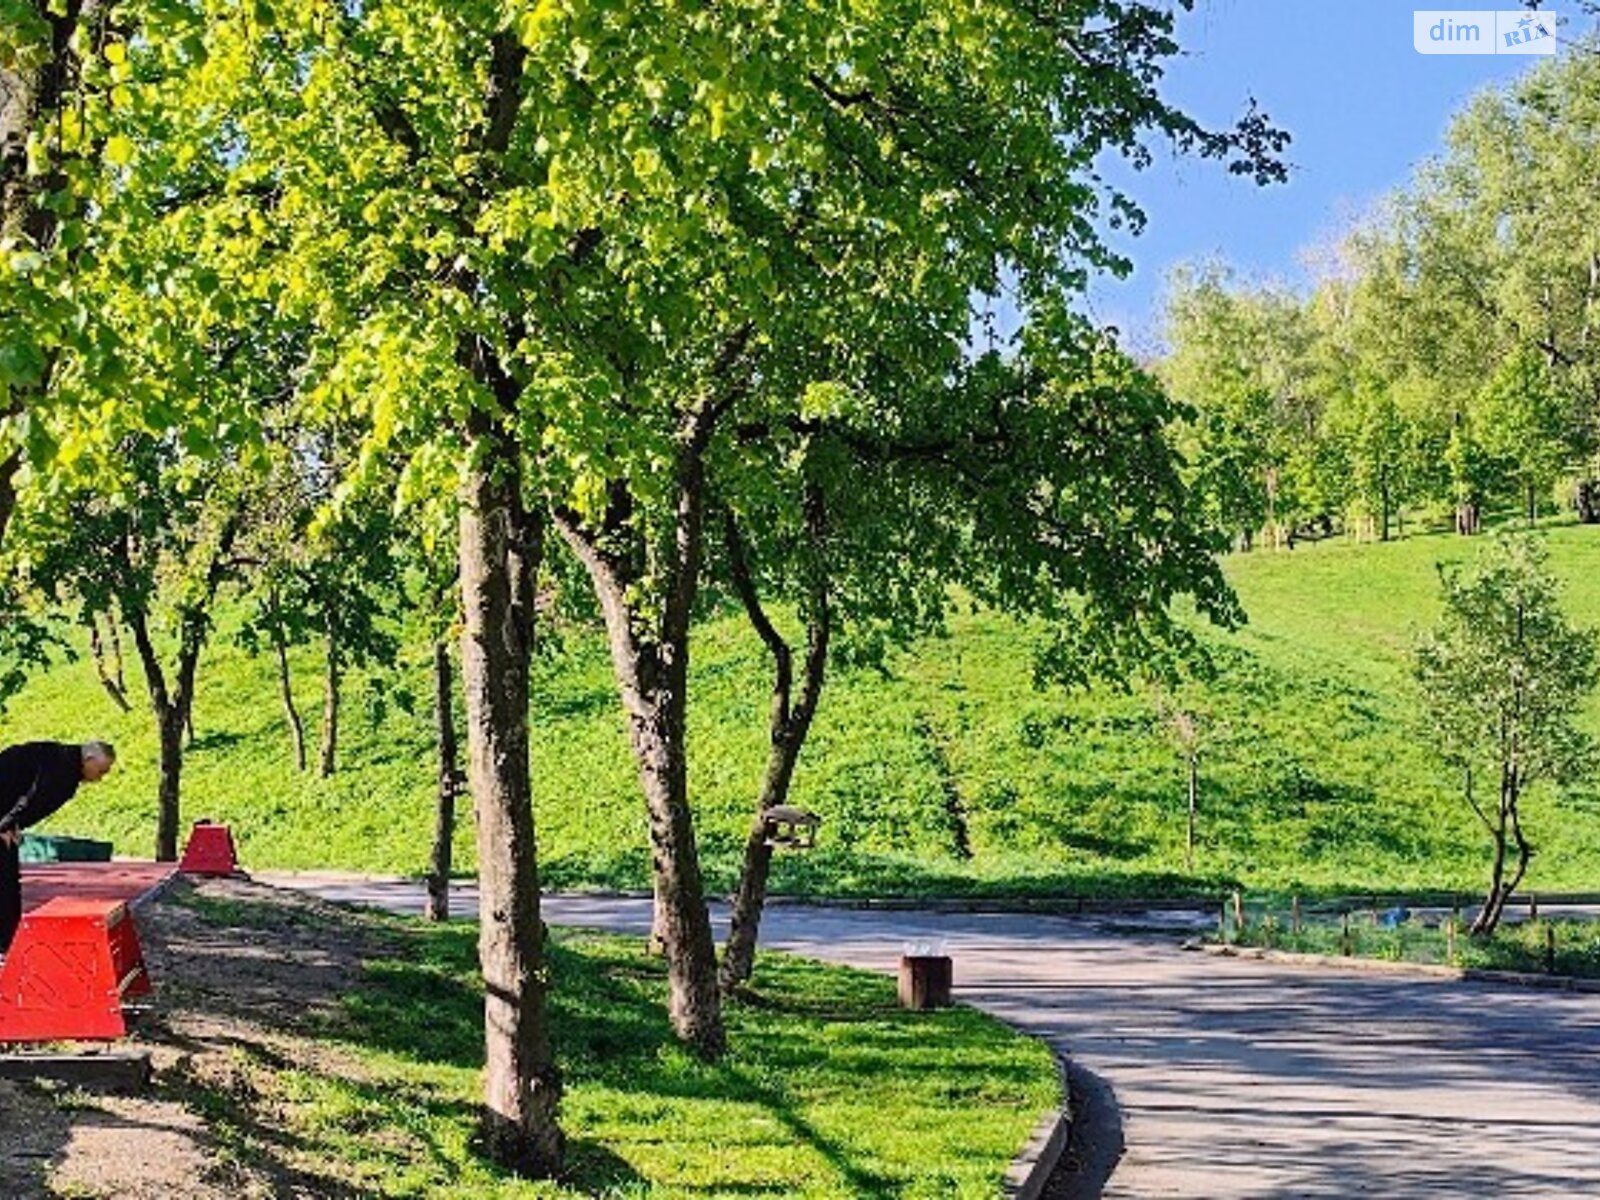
925	981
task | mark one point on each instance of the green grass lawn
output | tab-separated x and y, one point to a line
1317	776
829	1089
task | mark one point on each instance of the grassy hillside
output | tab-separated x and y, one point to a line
1315	775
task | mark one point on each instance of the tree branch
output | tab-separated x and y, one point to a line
745	588
503	96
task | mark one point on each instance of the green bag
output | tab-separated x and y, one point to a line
47	848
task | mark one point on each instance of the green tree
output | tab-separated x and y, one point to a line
27	641
593	248
1484	276
1371	433
1050	490
1503	677
59	60
60	63
154	545
322	576
1241	362
1472	475
1527	426
1193	730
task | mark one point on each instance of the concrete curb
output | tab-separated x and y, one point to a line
1020	906
1031	1169
155	893
1065	906
1382	966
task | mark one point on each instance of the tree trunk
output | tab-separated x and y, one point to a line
1502	889
650	658
116	654
31	96
1509	823
652	679
656	731
297	728
1489	915
1194	804
1524	853
738	955
1587	501
1384	505
500	547
444	826
1533	504
10	464
169	792
328	761
174	705
169	733
655	945
652	676
108	680
789	723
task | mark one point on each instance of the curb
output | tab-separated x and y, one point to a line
1021	906
1383	966
156	892
1030	1170
1065	906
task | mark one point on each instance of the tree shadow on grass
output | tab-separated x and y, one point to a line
215	739
609	1022
576	703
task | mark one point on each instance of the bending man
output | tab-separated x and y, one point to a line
36	779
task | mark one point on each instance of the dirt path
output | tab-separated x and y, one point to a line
230	998
1227	1078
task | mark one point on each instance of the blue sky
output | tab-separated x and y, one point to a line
1343	77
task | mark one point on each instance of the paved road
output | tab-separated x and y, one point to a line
1231	1079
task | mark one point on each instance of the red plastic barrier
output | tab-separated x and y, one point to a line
210	851
70	967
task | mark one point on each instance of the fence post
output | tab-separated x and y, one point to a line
1294	914
1238	909
1450	938
1533	907
1346	947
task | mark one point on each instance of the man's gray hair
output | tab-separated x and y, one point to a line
103	751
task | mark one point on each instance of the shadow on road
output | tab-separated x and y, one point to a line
1096	1142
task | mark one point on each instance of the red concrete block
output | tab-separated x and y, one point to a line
210	851
71	965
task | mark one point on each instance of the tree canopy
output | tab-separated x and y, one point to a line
1446	359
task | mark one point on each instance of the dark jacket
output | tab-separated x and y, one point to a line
37	778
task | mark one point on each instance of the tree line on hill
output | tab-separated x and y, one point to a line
1447	360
